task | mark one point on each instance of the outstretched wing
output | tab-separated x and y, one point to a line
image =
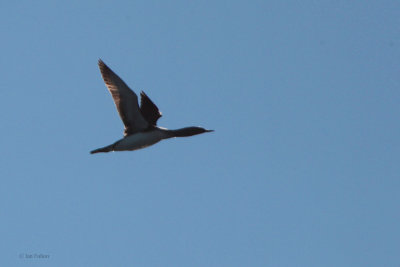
148	109
125	100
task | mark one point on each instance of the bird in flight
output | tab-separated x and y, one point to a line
141	128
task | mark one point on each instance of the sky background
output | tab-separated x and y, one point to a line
303	166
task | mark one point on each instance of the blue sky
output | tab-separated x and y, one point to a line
303	166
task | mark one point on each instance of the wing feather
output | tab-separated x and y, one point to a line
125	100
148	109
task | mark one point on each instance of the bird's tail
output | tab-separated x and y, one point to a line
103	149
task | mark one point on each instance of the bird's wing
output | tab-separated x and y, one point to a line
148	109
125	100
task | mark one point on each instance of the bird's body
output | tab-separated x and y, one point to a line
141	140
136	141
141	128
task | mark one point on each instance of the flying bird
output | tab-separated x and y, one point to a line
141	128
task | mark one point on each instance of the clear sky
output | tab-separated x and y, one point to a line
303	166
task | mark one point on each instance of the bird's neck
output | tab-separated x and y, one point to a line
185	132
